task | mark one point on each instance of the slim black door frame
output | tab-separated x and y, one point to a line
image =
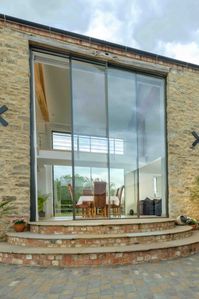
33	172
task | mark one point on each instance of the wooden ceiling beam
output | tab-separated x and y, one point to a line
40	90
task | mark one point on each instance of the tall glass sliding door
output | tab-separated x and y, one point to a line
123	139
102	130
151	145
52	135
90	142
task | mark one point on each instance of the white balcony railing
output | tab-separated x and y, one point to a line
90	144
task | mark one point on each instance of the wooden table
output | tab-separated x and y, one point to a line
91	209
90	198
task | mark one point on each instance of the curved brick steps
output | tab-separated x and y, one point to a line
97	240
118	226
85	256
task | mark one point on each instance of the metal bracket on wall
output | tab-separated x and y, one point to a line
3	109
196	137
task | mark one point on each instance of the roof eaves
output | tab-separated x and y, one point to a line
99	41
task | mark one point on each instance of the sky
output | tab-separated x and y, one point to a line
165	27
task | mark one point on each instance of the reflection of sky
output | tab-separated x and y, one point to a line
62	171
122	103
89	105
151	118
89	114
126	102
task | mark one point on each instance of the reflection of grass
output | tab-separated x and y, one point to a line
61	214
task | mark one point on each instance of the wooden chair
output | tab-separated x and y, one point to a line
87	192
100	207
85	206
117	209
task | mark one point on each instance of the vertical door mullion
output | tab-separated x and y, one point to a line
137	159
166	151
107	134
72	136
33	146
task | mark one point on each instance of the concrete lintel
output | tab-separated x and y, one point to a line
104	56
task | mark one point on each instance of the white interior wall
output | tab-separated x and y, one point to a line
146	185
130	192
146	182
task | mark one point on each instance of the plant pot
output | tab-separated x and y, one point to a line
194	226
19	227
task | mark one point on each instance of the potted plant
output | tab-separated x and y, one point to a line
42	198
193	222
19	224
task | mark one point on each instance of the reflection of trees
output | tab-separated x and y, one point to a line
63	196
112	189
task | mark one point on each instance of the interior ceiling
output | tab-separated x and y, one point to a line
57	94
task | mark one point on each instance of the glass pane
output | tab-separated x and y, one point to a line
151	145
53	136
122	143
63	204
90	133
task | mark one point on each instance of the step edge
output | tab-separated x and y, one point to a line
97	250
37	236
105	223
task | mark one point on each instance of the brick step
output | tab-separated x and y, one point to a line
92	240
118	226
92	256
